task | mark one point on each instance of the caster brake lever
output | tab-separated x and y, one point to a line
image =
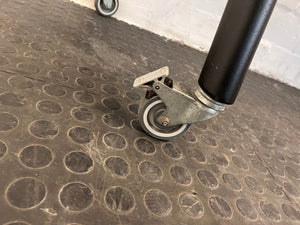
155	75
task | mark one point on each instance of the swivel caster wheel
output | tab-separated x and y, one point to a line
149	112
106	7
169	109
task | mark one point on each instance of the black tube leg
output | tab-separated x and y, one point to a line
238	35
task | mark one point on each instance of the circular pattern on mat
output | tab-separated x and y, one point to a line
113	121
270	211
36	156
246	209
8	121
43	129
207	179
120	200
191	205
115	141
81	135
181	175
26	193
150	171
158	203
117	166
76	197
220	207
145	146
79	162
172	151
48	106
82	114
12	99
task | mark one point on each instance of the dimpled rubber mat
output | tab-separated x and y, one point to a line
72	150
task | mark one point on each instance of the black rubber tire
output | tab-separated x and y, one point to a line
100	8
152	108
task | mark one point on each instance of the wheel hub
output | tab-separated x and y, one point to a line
149	113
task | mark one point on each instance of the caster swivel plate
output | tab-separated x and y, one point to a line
168	109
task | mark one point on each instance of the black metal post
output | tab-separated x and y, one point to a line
238	35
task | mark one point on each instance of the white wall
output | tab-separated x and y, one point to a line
194	22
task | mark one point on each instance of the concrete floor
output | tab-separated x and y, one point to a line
72	150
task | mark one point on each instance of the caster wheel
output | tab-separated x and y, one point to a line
106	7
148	114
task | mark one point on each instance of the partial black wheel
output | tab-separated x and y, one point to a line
106	7
148	114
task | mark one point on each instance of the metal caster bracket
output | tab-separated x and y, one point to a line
182	107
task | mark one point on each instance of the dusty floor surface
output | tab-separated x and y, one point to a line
71	148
